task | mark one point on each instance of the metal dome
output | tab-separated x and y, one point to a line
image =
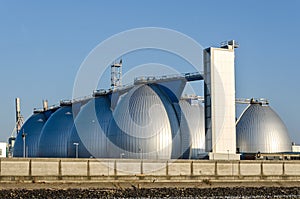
90	129
194	122
32	129
260	129
180	141
56	132
141	126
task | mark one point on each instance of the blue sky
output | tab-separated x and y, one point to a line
43	43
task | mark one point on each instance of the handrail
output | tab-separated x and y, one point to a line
137	80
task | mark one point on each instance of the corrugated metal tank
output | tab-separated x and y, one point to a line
56	132
180	141
193	121
260	129
32	129
141	126
90	129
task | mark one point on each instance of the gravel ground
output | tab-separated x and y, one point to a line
220	192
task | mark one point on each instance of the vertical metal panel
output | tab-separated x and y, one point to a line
194	122
178	147
140	127
261	129
90	129
32	128
56	132
185	133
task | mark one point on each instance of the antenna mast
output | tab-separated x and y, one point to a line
116	75
19	117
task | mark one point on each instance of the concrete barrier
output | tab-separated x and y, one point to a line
74	168
292	168
272	169
250	169
227	169
128	168
118	170
42	168
14	168
103	168
155	168
204	168
179	168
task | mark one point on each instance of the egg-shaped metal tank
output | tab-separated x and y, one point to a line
141	127
193	123
32	129
89	134
56	132
260	129
180	142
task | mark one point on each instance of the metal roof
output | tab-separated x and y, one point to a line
32	130
194	119
90	129
141	127
56	132
260	129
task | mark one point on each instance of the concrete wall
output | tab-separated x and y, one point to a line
219	93
118	170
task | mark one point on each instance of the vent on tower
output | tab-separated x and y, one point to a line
45	105
229	44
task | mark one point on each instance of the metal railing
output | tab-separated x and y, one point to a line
262	101
137	80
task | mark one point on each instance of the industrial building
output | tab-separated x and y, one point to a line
150	119
3	147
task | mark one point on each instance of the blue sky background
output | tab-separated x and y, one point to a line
43	43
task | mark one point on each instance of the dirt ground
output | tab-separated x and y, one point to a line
126	185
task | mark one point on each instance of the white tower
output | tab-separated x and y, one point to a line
219	76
